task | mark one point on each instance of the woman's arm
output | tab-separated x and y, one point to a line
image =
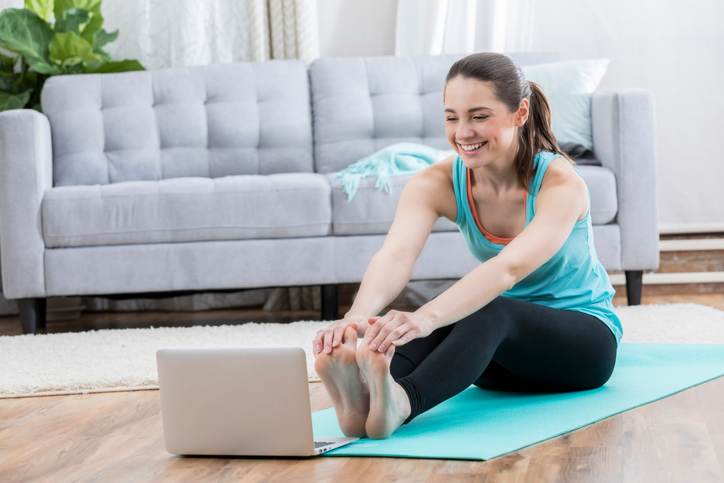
421	203
384	279
561	200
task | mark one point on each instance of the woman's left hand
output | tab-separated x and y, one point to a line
398	328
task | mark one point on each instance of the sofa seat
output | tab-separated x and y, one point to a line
371	211
289	205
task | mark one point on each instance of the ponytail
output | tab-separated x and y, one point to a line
536	134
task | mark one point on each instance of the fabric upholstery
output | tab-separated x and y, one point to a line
623	140
209	121
223	264
188	209
25	174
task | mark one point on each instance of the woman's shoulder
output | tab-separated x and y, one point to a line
561	172
560	169
437	183
443	169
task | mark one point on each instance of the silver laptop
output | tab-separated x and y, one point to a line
244	402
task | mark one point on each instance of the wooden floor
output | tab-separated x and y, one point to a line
117	436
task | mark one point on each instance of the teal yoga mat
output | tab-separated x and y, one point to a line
480	424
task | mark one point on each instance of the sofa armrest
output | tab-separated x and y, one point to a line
26	171
623	140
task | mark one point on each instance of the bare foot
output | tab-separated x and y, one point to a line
341	376
389	404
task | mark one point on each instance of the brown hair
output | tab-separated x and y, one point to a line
511	86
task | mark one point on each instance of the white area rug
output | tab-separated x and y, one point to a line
124	359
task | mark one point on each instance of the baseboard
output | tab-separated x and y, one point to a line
672	278
685	228
691	245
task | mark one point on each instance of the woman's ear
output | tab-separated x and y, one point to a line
521	115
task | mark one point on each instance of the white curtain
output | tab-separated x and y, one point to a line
166	33
463	26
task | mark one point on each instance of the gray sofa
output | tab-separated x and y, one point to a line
218	177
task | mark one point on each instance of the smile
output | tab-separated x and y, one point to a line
472	147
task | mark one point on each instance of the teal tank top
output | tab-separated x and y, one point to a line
573	279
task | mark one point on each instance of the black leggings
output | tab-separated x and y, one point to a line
508	345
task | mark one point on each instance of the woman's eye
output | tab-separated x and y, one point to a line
450	119
480	118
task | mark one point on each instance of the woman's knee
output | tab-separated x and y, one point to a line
494	315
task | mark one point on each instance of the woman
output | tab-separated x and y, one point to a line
535	315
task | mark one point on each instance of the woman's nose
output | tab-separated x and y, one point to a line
464	131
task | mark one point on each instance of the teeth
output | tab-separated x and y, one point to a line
470	147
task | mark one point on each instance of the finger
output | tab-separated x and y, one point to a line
373	329
378	325
337	335
384	333
328	342
404	339
317	343
396	334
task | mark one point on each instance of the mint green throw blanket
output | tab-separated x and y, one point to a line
480	424
400	158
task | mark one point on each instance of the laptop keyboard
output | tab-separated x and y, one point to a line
319	444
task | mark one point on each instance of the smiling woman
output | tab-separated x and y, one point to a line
536	314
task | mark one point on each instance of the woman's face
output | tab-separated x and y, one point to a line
478	125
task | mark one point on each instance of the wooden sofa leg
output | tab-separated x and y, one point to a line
32	315
634	280
329	302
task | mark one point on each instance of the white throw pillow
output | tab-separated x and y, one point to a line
568	86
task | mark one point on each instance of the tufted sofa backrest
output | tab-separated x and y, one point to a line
361	105
209	121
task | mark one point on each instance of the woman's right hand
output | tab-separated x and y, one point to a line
331	337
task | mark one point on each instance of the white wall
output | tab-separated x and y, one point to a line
675	49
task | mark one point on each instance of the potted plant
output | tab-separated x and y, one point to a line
52	37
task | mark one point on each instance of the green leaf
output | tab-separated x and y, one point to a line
103	38
69	49
23	32
42	8
63	5
73	20
92	6
116	66
46	68
93	26
13	101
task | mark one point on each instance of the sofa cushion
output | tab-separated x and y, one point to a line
211	121
601	184
372	211
188	209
